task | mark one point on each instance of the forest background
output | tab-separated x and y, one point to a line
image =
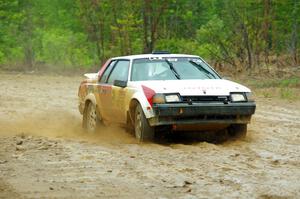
233	35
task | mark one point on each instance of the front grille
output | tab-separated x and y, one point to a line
205	98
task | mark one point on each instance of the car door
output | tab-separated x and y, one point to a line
116	107
105	92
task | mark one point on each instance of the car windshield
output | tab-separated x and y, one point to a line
171	69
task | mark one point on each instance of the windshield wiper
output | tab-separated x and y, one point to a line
200	67
173	69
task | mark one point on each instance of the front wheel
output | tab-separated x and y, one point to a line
90	118
238	130
143	131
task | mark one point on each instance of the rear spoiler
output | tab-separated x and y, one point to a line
91	75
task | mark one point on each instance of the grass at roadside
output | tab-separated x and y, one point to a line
281	83
287	88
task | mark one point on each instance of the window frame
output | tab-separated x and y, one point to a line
117	61
107	68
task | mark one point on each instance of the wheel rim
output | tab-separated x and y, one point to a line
138	125
91	119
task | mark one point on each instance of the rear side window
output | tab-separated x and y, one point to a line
120	72
107	72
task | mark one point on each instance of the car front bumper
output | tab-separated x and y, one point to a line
202	113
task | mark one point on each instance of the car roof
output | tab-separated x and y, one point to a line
152	56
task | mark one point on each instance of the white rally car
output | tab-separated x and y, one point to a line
153	91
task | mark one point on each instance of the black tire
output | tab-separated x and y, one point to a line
143	131
238	130
91	120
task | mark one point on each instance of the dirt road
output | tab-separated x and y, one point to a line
45	154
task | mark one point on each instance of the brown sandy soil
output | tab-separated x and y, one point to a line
45	154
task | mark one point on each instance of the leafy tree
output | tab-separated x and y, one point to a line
247	34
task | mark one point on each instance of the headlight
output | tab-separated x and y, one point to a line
165	98
250	97
237	97
172	98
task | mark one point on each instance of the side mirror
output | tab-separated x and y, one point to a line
120	83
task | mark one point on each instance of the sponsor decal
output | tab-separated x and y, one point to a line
203	88
104	89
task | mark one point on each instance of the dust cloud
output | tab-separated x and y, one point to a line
65	126
47	106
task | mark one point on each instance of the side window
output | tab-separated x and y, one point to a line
107	71
120	72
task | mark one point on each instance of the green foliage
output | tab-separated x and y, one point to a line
284	83
267	94
61	47
2	58
292	82
286	93
178	46
211	38
83	33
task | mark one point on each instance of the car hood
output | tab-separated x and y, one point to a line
195	87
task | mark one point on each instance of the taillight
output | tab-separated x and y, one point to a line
149	93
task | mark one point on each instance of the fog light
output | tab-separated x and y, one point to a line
159	99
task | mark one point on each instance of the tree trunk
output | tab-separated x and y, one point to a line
266	29
151	20
294	39
27	34
247	45
146	19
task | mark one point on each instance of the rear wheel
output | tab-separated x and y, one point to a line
238	130
90	118
143	131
